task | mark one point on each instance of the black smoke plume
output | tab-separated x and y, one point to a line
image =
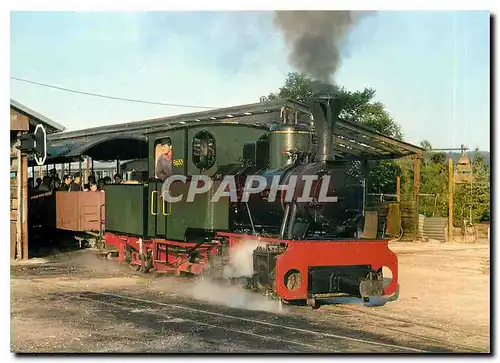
315	39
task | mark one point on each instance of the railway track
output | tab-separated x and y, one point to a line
423	340
382	322
289	334
406	321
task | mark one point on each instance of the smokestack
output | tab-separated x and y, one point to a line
325	108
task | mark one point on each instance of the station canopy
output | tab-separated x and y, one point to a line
99	148
128	141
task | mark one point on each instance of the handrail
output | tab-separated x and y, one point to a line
152	202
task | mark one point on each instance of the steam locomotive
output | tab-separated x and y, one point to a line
298	250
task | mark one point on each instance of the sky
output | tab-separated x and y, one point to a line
430	69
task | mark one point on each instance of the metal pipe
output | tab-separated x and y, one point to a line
291	224
365	190
87	170
250	216
285	221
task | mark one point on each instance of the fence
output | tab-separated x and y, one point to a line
435	228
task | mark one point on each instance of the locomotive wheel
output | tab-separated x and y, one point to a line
135	267
313	303
128	254
147	262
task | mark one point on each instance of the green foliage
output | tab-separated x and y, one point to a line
426	144
434	182
406	178
382	176
358	106
472	200
297	87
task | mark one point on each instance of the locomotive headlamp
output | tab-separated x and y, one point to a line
35	143
292	279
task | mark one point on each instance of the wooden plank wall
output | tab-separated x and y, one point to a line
407	216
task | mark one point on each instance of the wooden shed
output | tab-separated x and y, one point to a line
22	120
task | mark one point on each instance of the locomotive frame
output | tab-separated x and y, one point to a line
201	237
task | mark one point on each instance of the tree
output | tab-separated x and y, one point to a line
298	87
434	186
433	182
359	106
472	200
426	144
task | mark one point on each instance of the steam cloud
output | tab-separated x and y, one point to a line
315	39
241	259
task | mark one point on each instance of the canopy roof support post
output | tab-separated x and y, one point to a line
87	170
398	182
365	169
416	191
450	199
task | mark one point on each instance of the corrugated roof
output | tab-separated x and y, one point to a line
352	140
52	125
257	110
